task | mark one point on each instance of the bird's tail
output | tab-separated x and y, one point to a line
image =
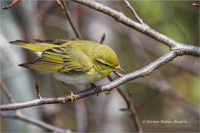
40	47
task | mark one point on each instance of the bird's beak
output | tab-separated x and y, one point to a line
120	70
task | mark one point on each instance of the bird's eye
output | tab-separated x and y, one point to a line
106	65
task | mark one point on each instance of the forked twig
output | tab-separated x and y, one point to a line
133	11
21	116
130	106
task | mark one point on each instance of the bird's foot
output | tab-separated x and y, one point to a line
96	88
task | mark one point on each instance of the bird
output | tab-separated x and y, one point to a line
73	62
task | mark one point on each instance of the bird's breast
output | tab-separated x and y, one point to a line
84	78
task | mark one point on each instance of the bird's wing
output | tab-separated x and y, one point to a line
61	59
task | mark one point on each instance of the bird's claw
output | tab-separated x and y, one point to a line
96	88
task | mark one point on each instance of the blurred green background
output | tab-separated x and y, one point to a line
167	94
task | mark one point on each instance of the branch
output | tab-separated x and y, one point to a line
34	121
63	7
19	115
128	77
143	28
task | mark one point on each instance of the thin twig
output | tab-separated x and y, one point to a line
38	91
12	4
130	105
65	10
7	93
118	74
195	4
133	11
103	38
130	108
60	4
34	121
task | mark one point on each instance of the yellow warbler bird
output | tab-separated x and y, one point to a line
73	62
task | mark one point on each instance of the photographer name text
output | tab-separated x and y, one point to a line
164	121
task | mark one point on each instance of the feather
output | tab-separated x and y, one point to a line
61	59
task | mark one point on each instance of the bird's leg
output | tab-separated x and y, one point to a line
96	88
72	96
